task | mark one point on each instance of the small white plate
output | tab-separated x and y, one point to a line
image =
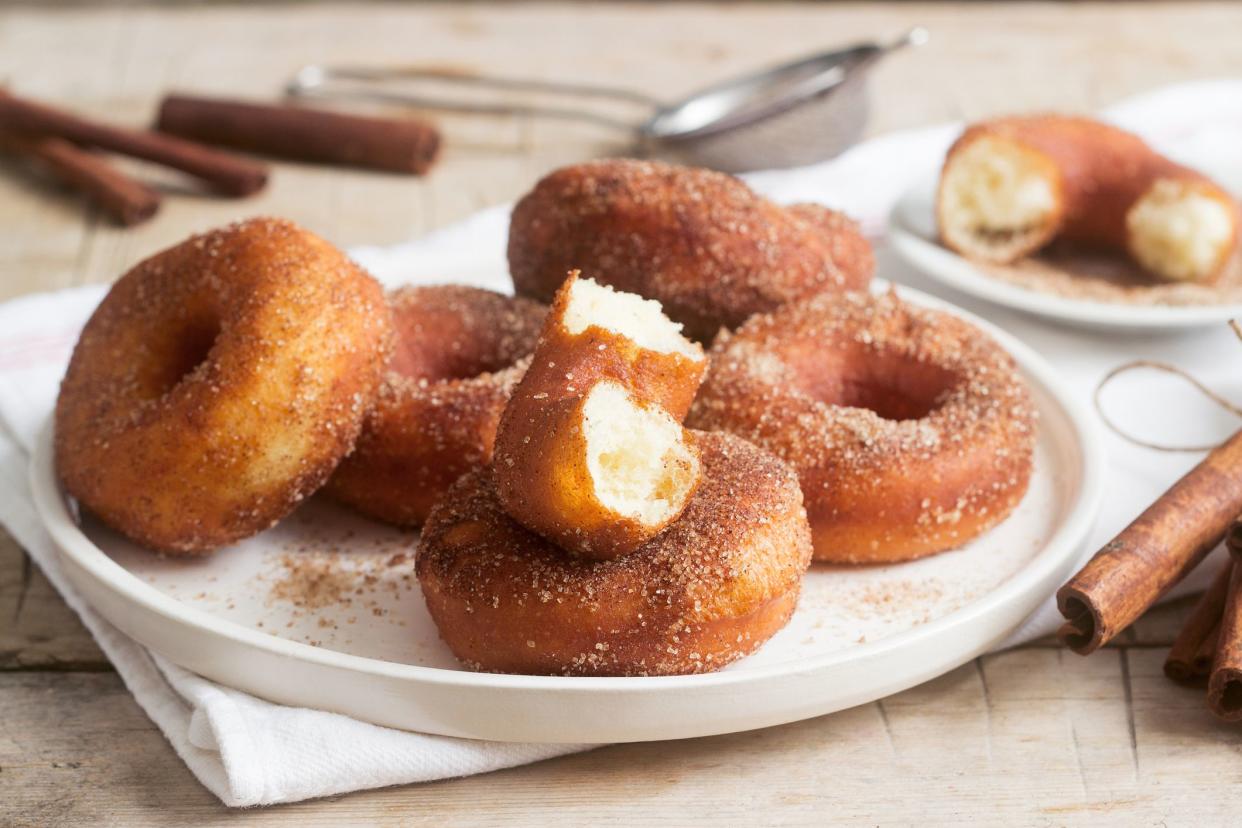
323	611
912	233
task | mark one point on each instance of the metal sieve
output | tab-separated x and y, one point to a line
793	114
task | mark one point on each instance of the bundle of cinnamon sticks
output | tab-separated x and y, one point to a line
1155	552
68	146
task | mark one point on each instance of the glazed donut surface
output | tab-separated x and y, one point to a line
702	243
909	428
458	353
218	384
709	589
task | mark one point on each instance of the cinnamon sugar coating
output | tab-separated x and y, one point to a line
540	470
706	591
910	429
218	384
702	243
459	351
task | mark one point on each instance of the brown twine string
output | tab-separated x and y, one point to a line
1177	372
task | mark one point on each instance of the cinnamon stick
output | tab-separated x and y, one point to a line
1194	644
126	200
224	173
1233	539
1201	665
1154	552
403	145
1225	683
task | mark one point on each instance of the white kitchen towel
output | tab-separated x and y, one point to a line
251	752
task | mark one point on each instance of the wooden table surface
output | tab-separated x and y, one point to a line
1035	735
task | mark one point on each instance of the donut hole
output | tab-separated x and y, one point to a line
434	347
640	320
995	196
638	457
893	386
1179	231
452	333
184	352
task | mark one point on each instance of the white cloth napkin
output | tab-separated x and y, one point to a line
251	752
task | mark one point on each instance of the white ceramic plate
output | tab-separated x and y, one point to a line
912	233
323	611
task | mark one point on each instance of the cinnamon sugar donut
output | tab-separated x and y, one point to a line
702	243
218	384
590	452
1011	186
910	429
708	590
459	351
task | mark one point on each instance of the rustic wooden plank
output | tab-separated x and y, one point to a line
46	229
37	629
83	733
1059	752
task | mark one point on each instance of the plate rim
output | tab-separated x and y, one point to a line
920	253
58	520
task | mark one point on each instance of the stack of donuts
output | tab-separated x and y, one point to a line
607	538
598	494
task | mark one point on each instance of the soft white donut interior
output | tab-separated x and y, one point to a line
1179	232
637	455
638	319
994	191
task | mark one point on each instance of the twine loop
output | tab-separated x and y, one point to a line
1155	365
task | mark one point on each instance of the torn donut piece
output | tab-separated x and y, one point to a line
1182	229
598	474
590	451
1010	186
594	331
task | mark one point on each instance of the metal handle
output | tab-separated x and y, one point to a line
916	36
318	80
383	84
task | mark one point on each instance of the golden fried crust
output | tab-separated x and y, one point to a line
708	590
704	245
1101	172
459	352
910	429
218	384
540	471
546	484
566	364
